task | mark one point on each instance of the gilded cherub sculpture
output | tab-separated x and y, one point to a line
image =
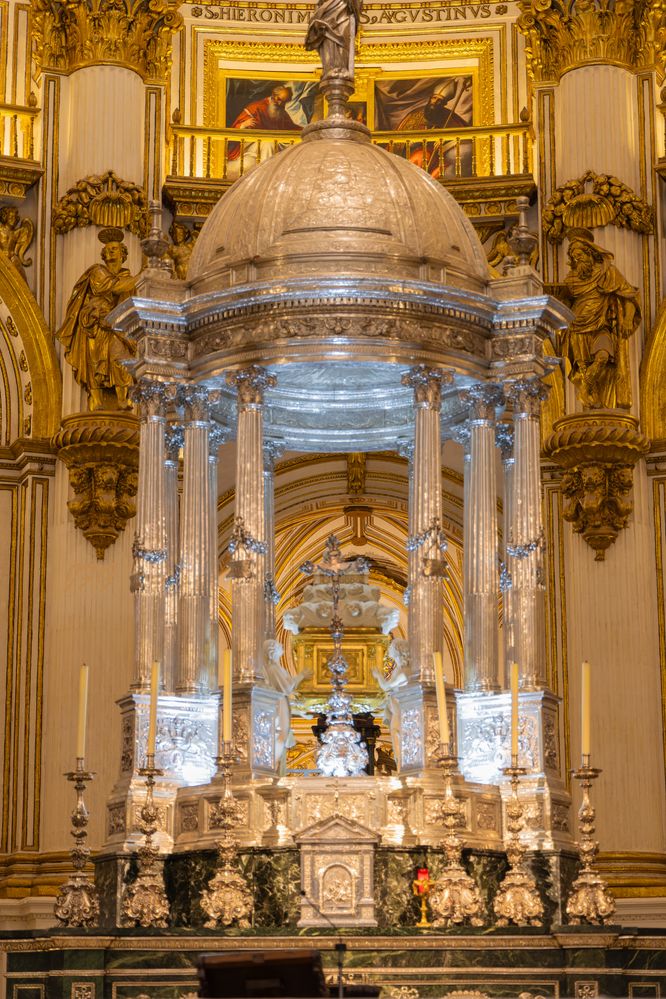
16	235
95	351
606	314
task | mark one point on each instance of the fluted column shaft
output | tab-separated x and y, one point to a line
174	442
248	602
272	450
150	543
216	440
504	440
481	666
194	602
525	537
406	450
426	607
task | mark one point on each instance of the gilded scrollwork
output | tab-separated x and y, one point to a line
135	33
103	199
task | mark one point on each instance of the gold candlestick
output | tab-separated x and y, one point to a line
144	901
590	900
228	899
517	900
77	903
454	896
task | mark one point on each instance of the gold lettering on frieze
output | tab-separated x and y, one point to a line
374	15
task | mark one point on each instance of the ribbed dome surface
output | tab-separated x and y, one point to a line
332	205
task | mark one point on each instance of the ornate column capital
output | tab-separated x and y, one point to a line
272	450
173	440
405	449
196	400
461	434
483	399
152	397
504	436
250	384
527	394
427	384
217	436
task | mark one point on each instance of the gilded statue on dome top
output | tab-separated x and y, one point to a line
95	351
332	31
606	314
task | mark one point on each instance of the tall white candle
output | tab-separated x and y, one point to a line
152	717
82	713
227	685
440	690
585	710
514	711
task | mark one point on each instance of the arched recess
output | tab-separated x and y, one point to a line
30	404
30	382
652	380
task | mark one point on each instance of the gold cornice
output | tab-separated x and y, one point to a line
563	36
18	175
135	34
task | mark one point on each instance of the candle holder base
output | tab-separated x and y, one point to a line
590	900
517	901
228	898
77	903
454	896
144	901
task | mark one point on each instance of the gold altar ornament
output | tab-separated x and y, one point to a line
593	201
606	314
517	900
77	903
144	902
228	897
16	235
105	200
95	351
421	888
454	895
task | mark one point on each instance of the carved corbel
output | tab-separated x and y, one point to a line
598	452
101	451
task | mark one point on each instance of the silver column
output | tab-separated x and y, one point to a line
150	542
216	439
248	569
504	441
462	435
194	604
525	536
426	605
406	450
272	451
481	666
174	442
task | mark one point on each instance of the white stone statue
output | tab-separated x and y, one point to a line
359	607
399	652
287	684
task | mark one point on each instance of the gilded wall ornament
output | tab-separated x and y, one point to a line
593	201
598	452
561	36
606	314
95	351
135	33
16	235
101	452
103	199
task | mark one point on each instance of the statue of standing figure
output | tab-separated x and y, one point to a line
332	31
287	685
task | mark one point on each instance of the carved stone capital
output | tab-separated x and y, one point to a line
598	451
526	396
272	451
504	436
101	452
461	434
217	435
483	399
196	401
250	384
152	397
405	449
173	440
427	384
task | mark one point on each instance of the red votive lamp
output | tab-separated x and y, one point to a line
422	879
